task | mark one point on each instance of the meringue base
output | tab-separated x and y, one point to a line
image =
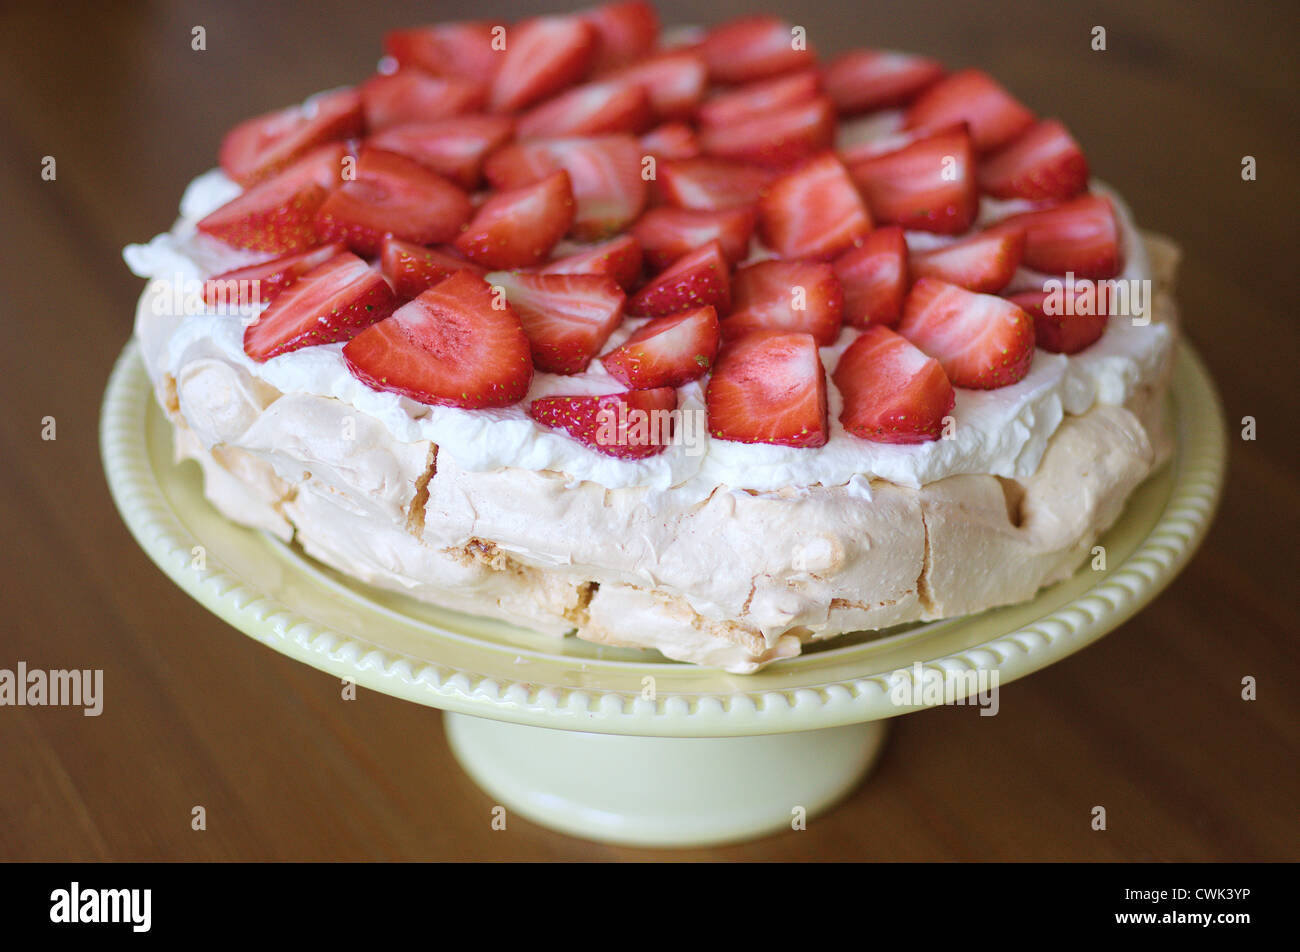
737	581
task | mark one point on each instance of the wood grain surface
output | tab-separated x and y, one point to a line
1149	722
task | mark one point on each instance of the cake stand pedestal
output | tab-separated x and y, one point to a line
566	733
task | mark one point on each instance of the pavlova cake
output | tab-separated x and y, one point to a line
692	342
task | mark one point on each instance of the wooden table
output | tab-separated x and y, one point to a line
1149	722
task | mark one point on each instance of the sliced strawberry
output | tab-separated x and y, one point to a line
620	258
697	279
671	142
624	31
453	147
410	95
630	425
1080	235
995	116
813	212
892	392
786	296
712	183
927	185
567	317
1043	163
983	342
462	49
985	262
777	139
392	194
666	352
1062	332
867	80
757	99
261	282
452	345
589	109
754	47
543	56
278	215
665	234
875	279
769	388
519	227
333	302
413	269
605	172
259	147
675	81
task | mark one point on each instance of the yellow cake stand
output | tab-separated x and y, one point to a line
620	745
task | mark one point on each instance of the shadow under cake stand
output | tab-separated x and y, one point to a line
600	742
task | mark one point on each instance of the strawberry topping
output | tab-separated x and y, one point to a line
667	351
392	194
786	296
983	342
892	392
630	425
332	302
456	344
769	388
567	317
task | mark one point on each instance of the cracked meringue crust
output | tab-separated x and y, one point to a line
736	580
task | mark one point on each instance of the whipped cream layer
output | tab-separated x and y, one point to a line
1000	432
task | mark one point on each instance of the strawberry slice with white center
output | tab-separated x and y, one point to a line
983	342
632	425
257	148
675	81
786	296
463	49
332	302
697	279
620	258
778	139
604	171
567	317
866	80
410	95
624	31
278	215
755	100
665	234
712	184
892	392
413	269
261	282
667	351
519	227
589	109
1080	235
985	261
875	278
1045	163
755	47
453	147
813	212
452	346
543	55
392	194
1062	332
670	142
927	185
972	96
769	388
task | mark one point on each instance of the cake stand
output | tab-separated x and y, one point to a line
620	745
